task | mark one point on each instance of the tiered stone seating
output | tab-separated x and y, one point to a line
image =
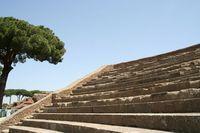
156	93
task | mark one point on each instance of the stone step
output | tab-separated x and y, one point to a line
159	76
158	71
25	129
147	75
100	81
161	96
154	69
190	78
118	86
170	86
81	127
168	106
147	78
155	65
155	61
177	122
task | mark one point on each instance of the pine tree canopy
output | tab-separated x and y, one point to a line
20	40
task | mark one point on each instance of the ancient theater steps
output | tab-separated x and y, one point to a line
156	93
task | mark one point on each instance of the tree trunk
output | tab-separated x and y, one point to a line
18	98
22	97
3	80
10	100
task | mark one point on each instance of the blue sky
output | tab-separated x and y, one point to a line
98	32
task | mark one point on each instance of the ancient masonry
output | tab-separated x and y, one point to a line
155	94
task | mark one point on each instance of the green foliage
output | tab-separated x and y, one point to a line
20	93
9	92
20	40
35	92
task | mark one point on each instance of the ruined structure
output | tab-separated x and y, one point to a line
155	94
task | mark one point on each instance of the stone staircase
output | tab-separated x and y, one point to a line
155	94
